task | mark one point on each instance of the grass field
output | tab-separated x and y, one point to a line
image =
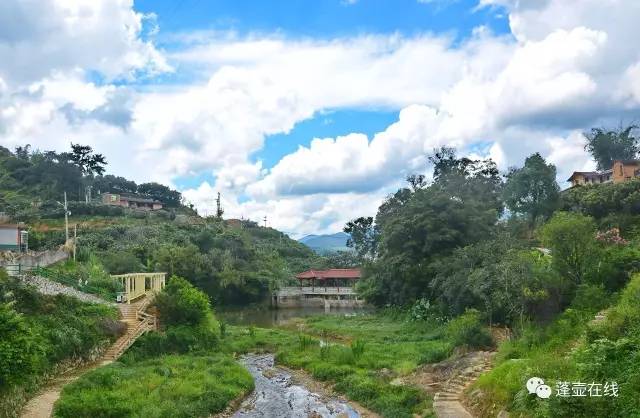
168	386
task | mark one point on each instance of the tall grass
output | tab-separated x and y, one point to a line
357	348
170	386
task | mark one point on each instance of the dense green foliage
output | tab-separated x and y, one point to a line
88	277
532	190
232	265
177	371
606	352
37	332
187	320
607	145
176	386
32	182
611	204
419	225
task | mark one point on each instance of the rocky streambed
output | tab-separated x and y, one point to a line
278	395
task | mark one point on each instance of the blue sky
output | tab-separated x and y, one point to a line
312	112
325	18
318	20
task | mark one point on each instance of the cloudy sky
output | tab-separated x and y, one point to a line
311	112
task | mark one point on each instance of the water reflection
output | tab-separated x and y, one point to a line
266	317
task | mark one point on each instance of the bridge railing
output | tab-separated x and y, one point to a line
136	285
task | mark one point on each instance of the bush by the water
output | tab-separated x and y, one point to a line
187	320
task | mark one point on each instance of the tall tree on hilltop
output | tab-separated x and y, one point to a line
161	192
532	190
605	146
89	162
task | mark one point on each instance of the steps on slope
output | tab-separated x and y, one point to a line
446	402
138	322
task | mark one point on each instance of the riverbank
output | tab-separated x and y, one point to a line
363	357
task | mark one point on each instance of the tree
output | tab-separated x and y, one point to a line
161	192
113	184
605	146
362	237
571	238
417	226
532	190
86	160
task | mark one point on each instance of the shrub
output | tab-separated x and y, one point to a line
467	329
120	262
591	298
180	303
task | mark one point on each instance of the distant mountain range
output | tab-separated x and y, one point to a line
326	243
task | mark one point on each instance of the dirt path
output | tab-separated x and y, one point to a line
41	406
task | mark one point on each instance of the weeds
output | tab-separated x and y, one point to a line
223	328
304	342
357	348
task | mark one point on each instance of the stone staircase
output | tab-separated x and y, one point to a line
138	322
446	402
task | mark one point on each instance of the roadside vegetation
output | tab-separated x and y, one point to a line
39	334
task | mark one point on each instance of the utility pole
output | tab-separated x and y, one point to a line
75	240
219	210
66	219
265	221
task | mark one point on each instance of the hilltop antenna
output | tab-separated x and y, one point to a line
265	221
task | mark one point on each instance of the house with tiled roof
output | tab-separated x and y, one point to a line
622	170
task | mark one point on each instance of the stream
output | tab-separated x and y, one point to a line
276	395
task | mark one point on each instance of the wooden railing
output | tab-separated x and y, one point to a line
147	322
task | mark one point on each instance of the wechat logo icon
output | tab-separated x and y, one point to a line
537	386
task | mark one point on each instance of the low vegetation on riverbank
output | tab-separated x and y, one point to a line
179	371
574	348
364	357
38	333
175	385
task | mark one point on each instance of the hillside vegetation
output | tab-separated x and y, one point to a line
233	264
522	254
39	333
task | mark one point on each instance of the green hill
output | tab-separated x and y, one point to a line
233	264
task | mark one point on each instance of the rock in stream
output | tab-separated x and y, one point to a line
276	396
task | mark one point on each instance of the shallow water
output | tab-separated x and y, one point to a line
267	318
276	396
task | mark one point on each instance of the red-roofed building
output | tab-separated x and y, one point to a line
321	288
329	278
